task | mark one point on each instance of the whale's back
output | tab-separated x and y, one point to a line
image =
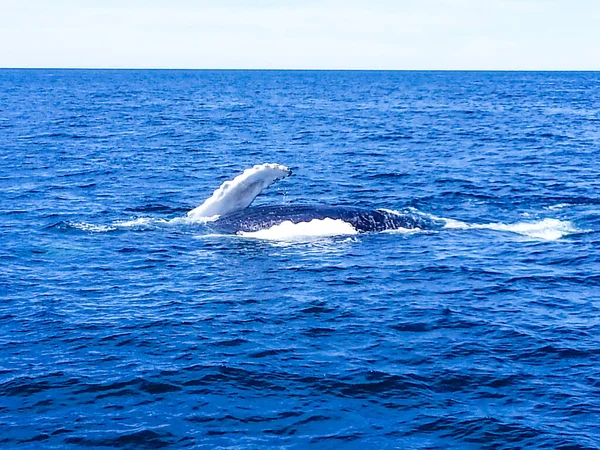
363	220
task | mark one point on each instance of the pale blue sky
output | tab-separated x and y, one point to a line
294	34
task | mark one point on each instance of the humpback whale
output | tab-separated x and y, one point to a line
362	220
228	210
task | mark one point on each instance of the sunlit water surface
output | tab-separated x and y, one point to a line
122	327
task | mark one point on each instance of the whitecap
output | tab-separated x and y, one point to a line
558	206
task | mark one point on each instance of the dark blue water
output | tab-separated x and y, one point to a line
121	329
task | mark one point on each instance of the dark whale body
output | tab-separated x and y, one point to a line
363	220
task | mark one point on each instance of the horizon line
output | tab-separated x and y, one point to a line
274	69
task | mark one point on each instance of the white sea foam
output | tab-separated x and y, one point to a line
546	229
140	222
453	224
144	223
403	231
558	206
90	227
152	222
391	211
316	228
240	192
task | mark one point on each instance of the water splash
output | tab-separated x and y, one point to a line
546	229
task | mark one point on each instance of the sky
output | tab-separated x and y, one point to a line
295	34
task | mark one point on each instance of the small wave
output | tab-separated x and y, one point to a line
388	175
391	211
316	228
558	206
157	208
151	223
404	231
546	229
140	223
85	226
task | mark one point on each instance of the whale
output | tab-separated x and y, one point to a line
229	209
363	220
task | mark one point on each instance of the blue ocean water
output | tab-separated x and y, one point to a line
121	327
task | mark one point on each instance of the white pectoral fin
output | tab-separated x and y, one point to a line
240	192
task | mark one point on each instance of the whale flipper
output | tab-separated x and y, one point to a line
239	193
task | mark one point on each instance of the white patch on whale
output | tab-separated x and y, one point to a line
315	228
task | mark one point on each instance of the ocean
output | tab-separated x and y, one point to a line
123	324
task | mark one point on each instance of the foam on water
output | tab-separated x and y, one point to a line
86	226
404	231
140	223
558	206
298	231
546	229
